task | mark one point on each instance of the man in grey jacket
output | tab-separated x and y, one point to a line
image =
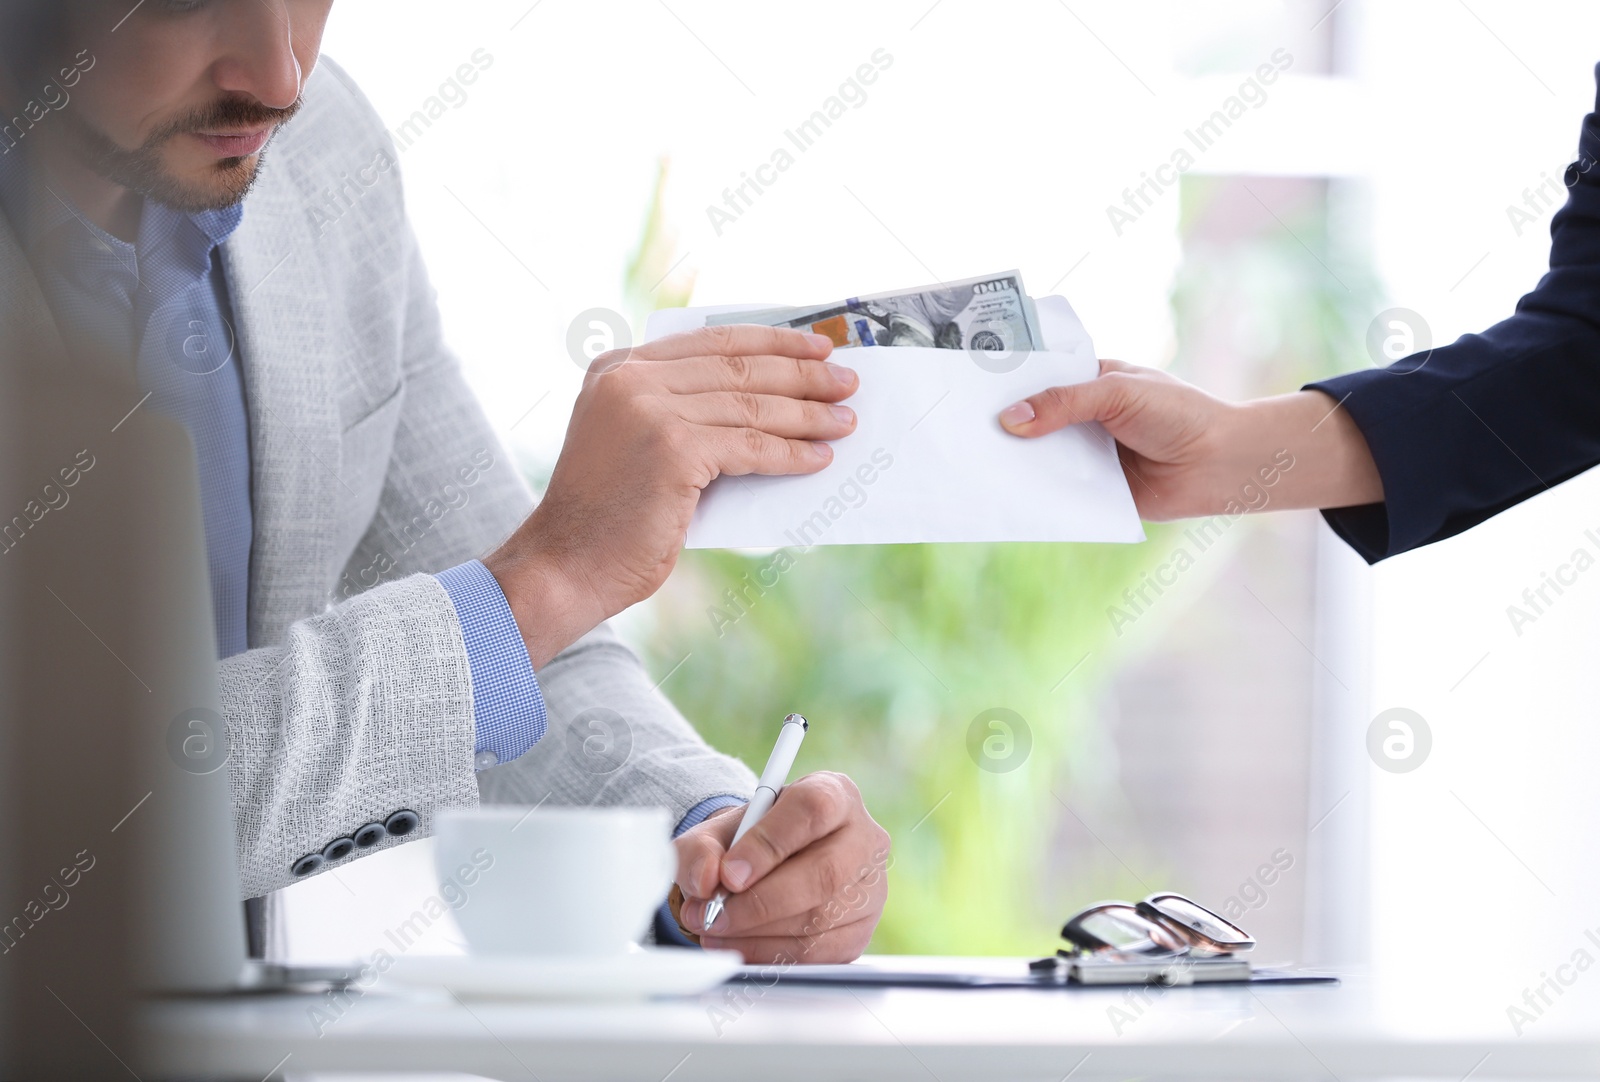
400	629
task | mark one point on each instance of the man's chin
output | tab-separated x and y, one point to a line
222	183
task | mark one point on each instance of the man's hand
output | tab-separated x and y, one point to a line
1186	453
652	427
806	884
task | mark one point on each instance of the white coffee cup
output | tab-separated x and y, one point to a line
554	881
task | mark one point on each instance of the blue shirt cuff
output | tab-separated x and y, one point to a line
702	811
508	710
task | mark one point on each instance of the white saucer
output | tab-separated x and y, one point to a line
635	975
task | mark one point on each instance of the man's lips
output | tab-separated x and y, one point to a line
235	144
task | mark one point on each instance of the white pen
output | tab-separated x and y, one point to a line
772	779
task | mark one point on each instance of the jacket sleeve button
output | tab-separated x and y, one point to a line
339	848
307	864
370	835
402	822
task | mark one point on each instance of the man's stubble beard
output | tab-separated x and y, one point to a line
143	170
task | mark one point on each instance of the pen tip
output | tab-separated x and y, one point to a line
805	725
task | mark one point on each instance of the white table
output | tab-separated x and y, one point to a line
1365	1028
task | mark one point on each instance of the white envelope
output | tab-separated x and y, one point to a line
928	461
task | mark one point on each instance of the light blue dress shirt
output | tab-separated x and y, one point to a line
507	705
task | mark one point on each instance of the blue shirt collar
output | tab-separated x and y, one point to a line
219	225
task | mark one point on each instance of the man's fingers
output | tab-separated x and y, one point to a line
741	451
782	900
700	852
834	946
807	883
735	340
789	418
830	883
805	811
761	373
1057	407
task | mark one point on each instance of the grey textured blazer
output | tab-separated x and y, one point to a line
373	466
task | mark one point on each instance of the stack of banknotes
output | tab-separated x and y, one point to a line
991	315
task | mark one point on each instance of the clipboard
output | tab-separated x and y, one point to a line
984	973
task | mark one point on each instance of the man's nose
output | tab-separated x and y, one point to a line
260	59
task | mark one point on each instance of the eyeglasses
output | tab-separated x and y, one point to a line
1161	926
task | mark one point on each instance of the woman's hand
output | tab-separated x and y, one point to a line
1187	454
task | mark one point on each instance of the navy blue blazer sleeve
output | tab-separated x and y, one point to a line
1464	431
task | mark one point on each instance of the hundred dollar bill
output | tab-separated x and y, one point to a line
993	314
